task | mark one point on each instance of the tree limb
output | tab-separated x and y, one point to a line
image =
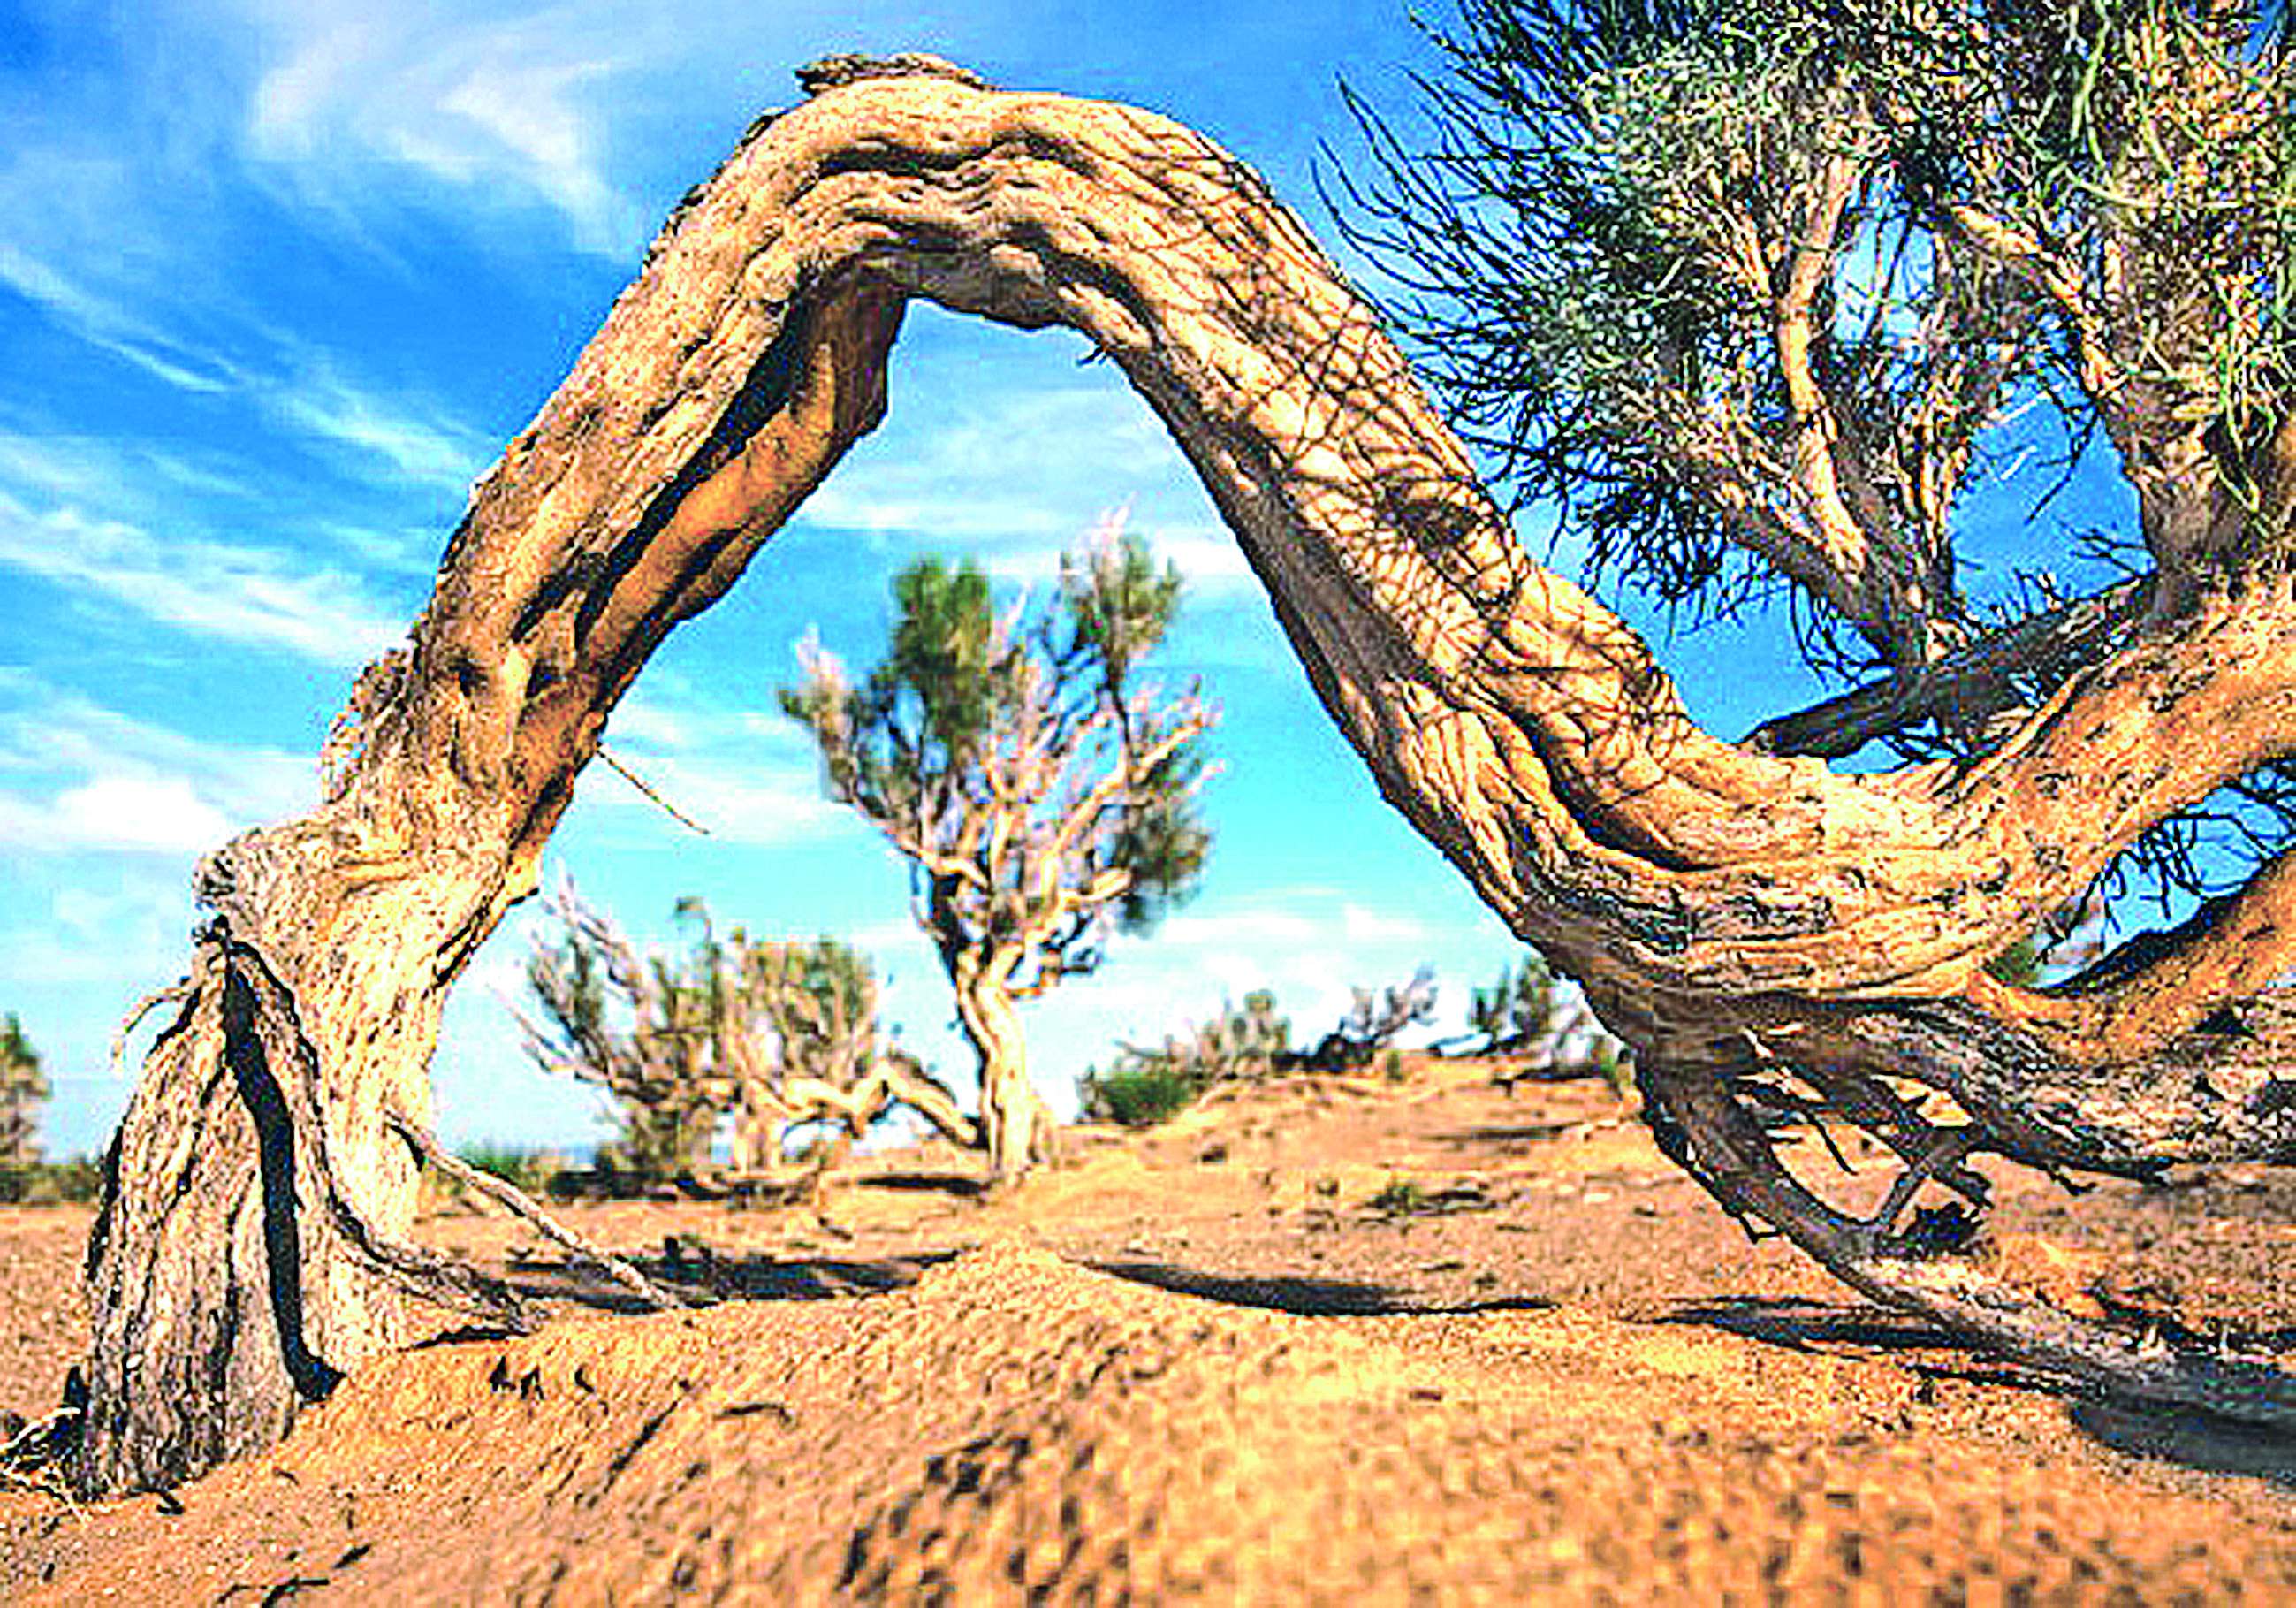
1970	682
528	1210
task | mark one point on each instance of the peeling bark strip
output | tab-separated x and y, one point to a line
1708	896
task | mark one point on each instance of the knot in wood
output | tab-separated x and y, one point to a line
834	72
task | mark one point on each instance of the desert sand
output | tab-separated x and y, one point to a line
1324	1340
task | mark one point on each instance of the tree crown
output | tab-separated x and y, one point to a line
1038	792
1832	298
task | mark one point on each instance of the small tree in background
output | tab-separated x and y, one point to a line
803	1043
1372	1023
759	1040
1515	1015
1146	1084
1531	1014
1041	797
23	1090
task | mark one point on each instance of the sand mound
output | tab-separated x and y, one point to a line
1013	1421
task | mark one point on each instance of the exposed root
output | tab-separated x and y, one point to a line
1700	1120
527	1210
273	1031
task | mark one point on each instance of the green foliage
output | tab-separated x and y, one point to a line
1118	603
1517	1011
531	1171
1580	247
23	1090
2013	242
2019	966
1146	1085
1160	846
79	1181
1528	1012
945	654
1137	1093
1614	1066
1399	1197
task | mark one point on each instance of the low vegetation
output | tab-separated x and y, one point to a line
1530	1021
737	1064
77	1182
1544	1025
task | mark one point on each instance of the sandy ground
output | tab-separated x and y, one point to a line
1202	1365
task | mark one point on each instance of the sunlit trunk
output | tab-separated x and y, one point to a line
1015	1125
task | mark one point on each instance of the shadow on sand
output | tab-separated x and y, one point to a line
2187	1439
690	1269
1302	1297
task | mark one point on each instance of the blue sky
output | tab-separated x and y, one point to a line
277	279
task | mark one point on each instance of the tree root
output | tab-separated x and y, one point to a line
527	1210
1701	1122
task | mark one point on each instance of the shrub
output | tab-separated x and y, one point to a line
1399	1197
1140	1093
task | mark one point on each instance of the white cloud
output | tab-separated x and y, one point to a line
419	444
123	942
242	595
504	105
1360	925
74	776
746	776
734	797
103	322
137	813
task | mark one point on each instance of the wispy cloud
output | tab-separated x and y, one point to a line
1018	475
103	322
746	776
501	104
241	595
87	469
76	777
131	813
418	443
301	387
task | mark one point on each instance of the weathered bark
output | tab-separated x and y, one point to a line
1709	896
233	1265
1015	1125
224	1278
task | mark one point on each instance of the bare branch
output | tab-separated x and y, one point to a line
523	1207
1973	684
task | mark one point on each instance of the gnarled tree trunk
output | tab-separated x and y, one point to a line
1015	1126
1736	916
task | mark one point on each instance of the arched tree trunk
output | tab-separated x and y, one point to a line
1738	917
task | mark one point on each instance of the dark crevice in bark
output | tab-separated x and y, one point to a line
276	1160
763	394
